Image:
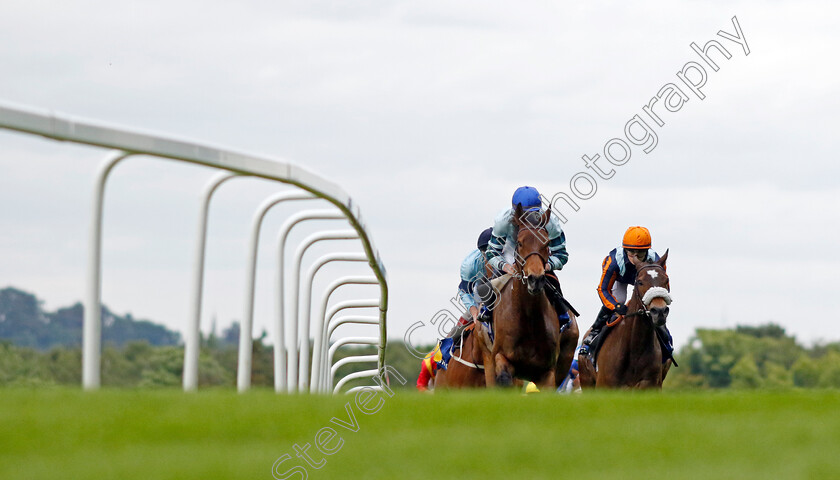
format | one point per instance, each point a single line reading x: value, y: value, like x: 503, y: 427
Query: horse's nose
x: 534, y: 283
x: 659, y: 315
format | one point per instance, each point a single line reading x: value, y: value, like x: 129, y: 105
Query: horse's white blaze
x: 653, y: 273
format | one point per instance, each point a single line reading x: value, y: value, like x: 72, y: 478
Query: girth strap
x: 469, y: 364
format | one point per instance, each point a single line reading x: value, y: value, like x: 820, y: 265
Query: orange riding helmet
x: 636, y: 238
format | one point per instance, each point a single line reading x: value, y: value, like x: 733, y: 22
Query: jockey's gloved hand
x: 621, y: 309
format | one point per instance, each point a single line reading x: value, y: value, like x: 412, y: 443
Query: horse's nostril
x: 659, y: 313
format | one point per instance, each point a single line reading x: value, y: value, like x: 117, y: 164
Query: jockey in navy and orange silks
x: 618, y: 271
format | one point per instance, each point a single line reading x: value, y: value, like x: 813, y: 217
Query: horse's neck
x: 530, y: 306
x: 643, y: 336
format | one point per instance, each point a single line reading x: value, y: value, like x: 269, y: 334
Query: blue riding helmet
x: 484, y: 239
x: 528, y: 197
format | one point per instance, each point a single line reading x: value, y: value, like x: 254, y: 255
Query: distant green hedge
x: 762, y: 357
x: 754, y: 357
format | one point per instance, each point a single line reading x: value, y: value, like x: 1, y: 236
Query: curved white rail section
x: 349, y: 341
x: 353, y: 376
x: 126, y: 143
x: 293, y: 351
x: 328, y: 321
x: 320, y: 342
x: 310, y: 278
x: 279, y: 328
x: 193, y: 337
x: 327, y: 377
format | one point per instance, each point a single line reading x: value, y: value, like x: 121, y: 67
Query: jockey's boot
x: 485, y: 292
x: 556, y: 300
x: 555, y: 297
x: 602, y: 319
x: 458, y: 330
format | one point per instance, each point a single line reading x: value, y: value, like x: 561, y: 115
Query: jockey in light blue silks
x: 501, y: 250
x: 473, y: 272
x: 473, y: 278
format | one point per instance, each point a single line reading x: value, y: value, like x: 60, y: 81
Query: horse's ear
x: 663, y: 259
x: 546, y: 216
x: 517, y: 214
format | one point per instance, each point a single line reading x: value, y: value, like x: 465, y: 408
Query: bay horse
x: 631, y: 356
x: 529, y: 343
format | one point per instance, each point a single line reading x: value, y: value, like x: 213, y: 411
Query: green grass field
x: 122, y: 434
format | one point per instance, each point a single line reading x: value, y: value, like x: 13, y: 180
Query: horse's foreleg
x: 489, y: 371
x: 665, y: 368
x: 547, y: 383
x: 646, y: 384
x: 586, y: 372
x: 484, y: 345
x: 651, y: 378
x: 440, y: 380
x: 504, y: 371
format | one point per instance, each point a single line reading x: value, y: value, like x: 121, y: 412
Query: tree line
x: 745, y: 357
x: 140, y: 364
x: 751, y: 357
x: 23, y: 322
x: 43, y: 348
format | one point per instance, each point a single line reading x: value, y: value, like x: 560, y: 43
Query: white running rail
x: 124, y: 143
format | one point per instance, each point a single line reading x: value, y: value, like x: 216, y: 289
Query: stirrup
x: 485, y: 315
x: 584, y: 350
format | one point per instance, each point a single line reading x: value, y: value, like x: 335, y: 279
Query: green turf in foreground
x: 64, y: 433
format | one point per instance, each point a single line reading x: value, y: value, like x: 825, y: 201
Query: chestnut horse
x: 631, y: 356
x: 466, y: 367
x: 529, y: 343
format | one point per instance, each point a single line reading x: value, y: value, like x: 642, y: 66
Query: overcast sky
x: 430, y: 114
